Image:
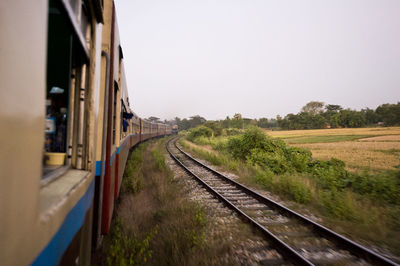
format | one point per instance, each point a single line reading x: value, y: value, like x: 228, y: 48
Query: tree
x: 216, y: 127
x: 184, y: 124
x: 313, y: 108
x: 226, y: 123
x: 371, y: 117
x: 333, y: 108
x: 389, y: 113
x: 196, y: 120
x: 351, y: 118
x: 263, y: 122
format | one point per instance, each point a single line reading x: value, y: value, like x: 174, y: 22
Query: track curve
x: 300, y: 240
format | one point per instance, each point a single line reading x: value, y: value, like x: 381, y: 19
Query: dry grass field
x: 373, y: 149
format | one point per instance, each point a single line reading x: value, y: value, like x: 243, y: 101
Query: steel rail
x: 288, y: 252
x: 353, y: 247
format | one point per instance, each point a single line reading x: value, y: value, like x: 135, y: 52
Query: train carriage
x: 66, y: 128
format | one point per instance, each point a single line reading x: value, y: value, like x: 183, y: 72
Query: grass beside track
x: 349, y: 213
x: 154, y: 223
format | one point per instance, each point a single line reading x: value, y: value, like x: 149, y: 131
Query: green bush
x: 240, y: 146
x: 263, y: 178
x: 330, y: 174
x: 231, y: 132
x: 132, y: 182
x: 159, y: 161
x: 200, y: 131
x: 384, y: 186
x: 219, y: 144
x: 274, y: 161
x: 201, y: 140
x: 272, y: 154
x: 294, y: 188
x: 125, y: 249
x: 337, y: 204
x: 215, y: 127
x: 299, y: 158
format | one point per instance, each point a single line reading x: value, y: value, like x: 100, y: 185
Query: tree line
x: 314, y: 115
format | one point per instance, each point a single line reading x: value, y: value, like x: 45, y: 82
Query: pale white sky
x: 259, y: 58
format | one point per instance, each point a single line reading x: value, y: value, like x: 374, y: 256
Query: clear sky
x: 259, y: 58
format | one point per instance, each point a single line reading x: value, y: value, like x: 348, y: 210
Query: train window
x: 115, y: 112
x: 124, y: 124
x: 59, y: 60
x: 65, y: 69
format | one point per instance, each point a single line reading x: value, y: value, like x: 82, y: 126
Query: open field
x: 373, y: 149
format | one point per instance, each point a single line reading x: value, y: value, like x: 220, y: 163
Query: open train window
x: 65, y: 77
x: 115, y: 112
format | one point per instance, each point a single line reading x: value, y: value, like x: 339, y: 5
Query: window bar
x: 79, y: 163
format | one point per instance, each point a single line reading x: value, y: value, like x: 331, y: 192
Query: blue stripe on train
x: 53, y: 252
x: 98, y: 168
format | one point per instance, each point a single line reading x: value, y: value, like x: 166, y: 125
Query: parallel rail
x: 360, y: 254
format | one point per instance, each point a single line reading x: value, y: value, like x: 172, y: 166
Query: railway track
x: 298, y: 239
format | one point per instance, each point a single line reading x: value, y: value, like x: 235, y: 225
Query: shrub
x: 231, y: 132
x: 219, y: 144
x: 200, y: 131
x: 201, y: 140
x: 274, y: 161
x: 294, y: 188
x: 263, y: 177
x: 273, y: 154
x: 299, y: 158
x: 337, y: 204
x: 383, y: 186
x: 330, y: 174
x: 240, y: 146
x: 132, y: 178
x: 125, y: 248
x: 215, y: 127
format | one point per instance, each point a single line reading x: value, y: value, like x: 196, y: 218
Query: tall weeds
x: 154, y: 223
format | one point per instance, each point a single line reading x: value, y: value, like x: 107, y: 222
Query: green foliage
x: 131, y: 181
x: 159, y: 160
x: 299, y: 158
x: 219, y: 144
x: 272, y: 154
x: 215, y: 127
x: 202, y: 141
x: 241, y: 146
x: 231, y: 132
x: 383, y: 186
x: 313, y: 107
x: 337, y: 204
x: 312, y: 117
x: 267, y: 123
x: 263, y: 177
x: 125, y: 248
x: 389, y: 113
x: 200, y: 131
x: 303, y: 120
x: 330, y: 174
x: 193, y: 121
x: 274, y: 161
x: 294, y: 188
x: 351, y: 118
